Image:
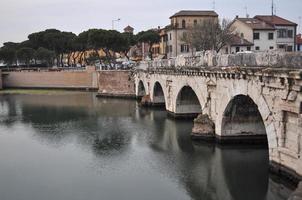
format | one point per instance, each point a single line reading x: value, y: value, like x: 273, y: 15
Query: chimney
x: 237, y: 16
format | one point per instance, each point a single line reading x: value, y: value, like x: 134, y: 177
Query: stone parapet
x: 274, y: 59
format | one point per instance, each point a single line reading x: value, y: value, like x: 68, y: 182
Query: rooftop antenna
x: 273, y: 7
x: 214, y: 5
x: 246, y: 13
x: 300, y: 23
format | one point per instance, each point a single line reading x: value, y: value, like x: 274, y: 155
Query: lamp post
x: 116, y: 20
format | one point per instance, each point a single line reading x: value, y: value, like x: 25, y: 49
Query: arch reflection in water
x: 211, y: 172
x: 143, y: 144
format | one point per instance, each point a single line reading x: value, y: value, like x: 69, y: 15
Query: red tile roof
x: 128, y: 29
x: 193, y: 13
x: 238, y: 41
x: 275, y: 20
x: 256, y: 24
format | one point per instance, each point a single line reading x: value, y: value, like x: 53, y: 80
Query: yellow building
x: 181, y: 23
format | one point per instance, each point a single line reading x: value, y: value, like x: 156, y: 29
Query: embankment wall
x: 116, y: 83
x: 51, y: 79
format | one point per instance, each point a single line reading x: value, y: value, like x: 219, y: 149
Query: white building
x: 286, y: 31
x: 266, y: 32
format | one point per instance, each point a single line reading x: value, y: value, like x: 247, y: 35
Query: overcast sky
x: 18, y: 18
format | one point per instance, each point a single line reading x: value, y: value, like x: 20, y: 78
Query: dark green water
x: 74, y: 146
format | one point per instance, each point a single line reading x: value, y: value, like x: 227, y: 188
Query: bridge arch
x: 241, y: 118
x: 187, y: 102
x: 141, y: 89
x: 256, y: 106
x: 158, y: 94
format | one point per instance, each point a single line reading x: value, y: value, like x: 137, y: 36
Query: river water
x: 73, y: 146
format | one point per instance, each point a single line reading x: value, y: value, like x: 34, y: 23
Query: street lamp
x: 116, y: 20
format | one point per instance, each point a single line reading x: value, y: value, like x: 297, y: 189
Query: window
x: 289, y: 48
x: 170, y: 36
x: 170, y: 49
x: 226, y: 50
x: 281, y: 46
x: 195, y: 22
x: 242, y: 35
x: 256, y: 36
x: 290, y: 33
x: 184, y: 48
x: 282, y: 33
x: 270, y: 36
x: 257, y: 48
x: 237, y: 49
x: 184, y: 35
x: 183, y: 23
x: 271, y: 47
x: 248, y: 48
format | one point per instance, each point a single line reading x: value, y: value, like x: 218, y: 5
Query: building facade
x: 237, y: 44
x: 285, y: 31
x: 266, y: 32
x: 181, y: 23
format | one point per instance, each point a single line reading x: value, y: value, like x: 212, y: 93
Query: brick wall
x: 50, y: 79
x: 116, y: 83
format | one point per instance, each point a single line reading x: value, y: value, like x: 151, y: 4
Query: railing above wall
x: 274, y: 59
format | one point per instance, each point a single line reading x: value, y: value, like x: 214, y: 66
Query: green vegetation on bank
x: 54, y: 47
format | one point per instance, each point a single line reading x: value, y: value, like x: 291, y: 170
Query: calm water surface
x: 73, y: 146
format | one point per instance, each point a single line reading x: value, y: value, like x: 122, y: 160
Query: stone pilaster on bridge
x: 0, y: 79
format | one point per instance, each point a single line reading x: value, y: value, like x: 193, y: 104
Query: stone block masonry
x: 84, y: 79
x: 116, y: 84
x: 0, y: 80
x: 236, y: 105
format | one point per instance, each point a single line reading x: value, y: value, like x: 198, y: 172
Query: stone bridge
x: 234, y: 104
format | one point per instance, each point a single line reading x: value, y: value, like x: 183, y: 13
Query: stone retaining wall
x: 116, y: 83
x: 86, y: 79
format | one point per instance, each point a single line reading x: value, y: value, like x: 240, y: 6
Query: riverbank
x: 38, y: 91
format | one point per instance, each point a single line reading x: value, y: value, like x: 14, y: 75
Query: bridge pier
x: 204, y: 128
x: 297, y: 195
x: 0, y: 79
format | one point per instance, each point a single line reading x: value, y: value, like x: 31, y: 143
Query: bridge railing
x: 272, y: 59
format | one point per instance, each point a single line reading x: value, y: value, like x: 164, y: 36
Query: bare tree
x: 209, y: 35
